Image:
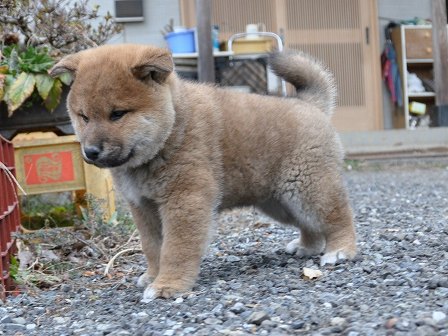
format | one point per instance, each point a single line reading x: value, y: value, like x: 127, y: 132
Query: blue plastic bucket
x: 181, y: 42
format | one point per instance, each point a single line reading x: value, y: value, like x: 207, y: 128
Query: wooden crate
x: 56, y: 165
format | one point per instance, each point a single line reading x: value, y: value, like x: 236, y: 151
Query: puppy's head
x: 120, y: 102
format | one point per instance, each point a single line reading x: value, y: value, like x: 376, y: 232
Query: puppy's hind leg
x: 327, y: 201
x: 311, y: 241
x: 324, y: 216
x: 339, y: 232
x: 309, y: 244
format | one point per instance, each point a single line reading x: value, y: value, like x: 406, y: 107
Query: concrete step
x: 396, y: 143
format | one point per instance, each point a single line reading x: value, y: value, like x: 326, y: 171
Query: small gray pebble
x: 268, y: 324
x: 19, y: 320
x: 30, y: 326
x: 438, y: 316
x: 13, y: 326
x: 212, y: 321
x: 59, y: 319
x: 233, y: 258
x: 298, y: 325
x: 189, y: 330
x: 66, y: 288
x: 6, y: 319
x: 257, y: 317
x: 238, y: 308
x: 338, y: 321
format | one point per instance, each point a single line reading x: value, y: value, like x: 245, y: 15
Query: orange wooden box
x: 56, y: 165
x: 49, y: 165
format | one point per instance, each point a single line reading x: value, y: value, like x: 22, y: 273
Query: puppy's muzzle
x: 92, y: 153
x: 104, y: 158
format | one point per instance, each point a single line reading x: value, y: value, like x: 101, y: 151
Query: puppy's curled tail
x: 313, y: 81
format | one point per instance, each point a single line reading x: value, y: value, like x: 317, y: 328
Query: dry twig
x: 111, y: 261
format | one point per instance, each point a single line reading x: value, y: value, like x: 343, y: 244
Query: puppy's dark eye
x: 117, y: 114
x: 84, y: 118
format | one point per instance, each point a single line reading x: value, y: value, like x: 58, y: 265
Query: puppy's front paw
x: 144, y: 280
x: 165, y: 291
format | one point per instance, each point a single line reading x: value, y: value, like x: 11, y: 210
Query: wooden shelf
x: 413, y: 46
x: 420, y: 60
x: 421, y: 94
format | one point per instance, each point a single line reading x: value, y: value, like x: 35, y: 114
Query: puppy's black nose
x: 92, y: 152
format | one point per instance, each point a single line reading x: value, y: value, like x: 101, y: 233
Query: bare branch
x: 64, y: 26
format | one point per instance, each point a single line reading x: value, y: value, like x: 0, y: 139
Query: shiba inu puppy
x: 180, y: 152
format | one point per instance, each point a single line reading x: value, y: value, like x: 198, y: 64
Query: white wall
x: 396, y: 10
x: 157, y: 13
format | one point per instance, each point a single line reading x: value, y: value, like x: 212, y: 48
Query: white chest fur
x: 135, y: 184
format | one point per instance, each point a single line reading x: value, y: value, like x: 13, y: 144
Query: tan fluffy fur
x: 185, y: 151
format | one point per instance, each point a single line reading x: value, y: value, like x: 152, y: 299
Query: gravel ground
x: 397, y: 285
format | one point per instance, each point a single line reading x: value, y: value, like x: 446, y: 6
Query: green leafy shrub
x: 24, y: 73
x: 34, y: 34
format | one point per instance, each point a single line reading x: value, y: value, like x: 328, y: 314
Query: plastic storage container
x: 181, y: 41
x: 9, y: 215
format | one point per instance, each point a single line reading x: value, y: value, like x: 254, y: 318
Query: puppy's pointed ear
x: 154, y: 65
x: 67, y: 64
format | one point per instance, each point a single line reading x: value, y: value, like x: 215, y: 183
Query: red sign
x: 48, y: 168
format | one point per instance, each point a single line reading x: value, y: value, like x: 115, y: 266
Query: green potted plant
x: 31, y: 99
x: 34, y: 34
